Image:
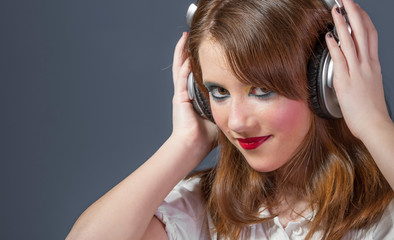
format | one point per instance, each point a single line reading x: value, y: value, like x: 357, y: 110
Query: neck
x: 289, y: 210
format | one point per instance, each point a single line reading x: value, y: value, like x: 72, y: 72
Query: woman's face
x: 265, y: 127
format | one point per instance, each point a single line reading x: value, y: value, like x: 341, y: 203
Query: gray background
x: 85, y: 98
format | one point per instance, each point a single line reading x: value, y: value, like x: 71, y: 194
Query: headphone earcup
x: 200, y: 103
x: 314, y: 79
x: 322, y: 98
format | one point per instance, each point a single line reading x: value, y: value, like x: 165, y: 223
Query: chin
x: 264, y: 166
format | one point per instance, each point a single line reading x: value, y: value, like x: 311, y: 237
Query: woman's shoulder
x: 187, y: 194
x: 191, y: 185
x: 384, y: 229
x: 183, y: 212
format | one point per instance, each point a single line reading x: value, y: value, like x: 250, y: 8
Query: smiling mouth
x: 252, y: 143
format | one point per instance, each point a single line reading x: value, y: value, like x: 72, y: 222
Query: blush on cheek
x: 291, y: 115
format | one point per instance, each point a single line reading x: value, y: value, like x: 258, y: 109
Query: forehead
x: 212, y: 60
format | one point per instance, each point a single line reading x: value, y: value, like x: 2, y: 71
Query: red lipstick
x: 252, y: 143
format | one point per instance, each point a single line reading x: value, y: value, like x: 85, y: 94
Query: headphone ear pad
x: 203, y: 103
x: 200, y: 103
x: 314, y: 79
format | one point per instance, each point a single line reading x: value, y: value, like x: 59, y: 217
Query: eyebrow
x: 209, y: 84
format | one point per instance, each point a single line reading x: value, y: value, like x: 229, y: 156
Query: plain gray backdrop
x: 85, y: 98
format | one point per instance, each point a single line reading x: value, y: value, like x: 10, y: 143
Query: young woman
x: 284, y: 172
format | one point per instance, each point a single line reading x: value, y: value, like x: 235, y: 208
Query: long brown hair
x: 268, y: 43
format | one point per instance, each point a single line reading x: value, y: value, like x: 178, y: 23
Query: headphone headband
x: 331, y: 3
x: 193, y: 7
x: 190, y: 13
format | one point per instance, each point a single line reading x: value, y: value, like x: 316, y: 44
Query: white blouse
x: 182, y: 212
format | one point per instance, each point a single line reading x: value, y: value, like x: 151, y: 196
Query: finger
x: 340, y: 63
x: 179, y: 55
x: 359, y: 31
x: 347, y: 44
x: 372, y: 35
x: 181, y: 81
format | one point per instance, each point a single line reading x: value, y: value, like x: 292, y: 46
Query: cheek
x: 219, y: 116
x: 291, y: 116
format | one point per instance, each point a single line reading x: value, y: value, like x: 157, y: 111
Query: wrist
x: 376, y: 129
x: 194, y: 147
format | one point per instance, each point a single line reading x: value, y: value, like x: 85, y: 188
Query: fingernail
x: 338, y: 10
x: 329, y: 35
x: 343, y: 11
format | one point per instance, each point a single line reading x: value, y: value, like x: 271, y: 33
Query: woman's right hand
x: 188, y: 127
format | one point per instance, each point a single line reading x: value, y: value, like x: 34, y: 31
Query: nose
x: 240, y: 118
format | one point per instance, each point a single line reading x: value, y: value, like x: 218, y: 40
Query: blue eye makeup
x: 260, y: 92
x: 217, y: 92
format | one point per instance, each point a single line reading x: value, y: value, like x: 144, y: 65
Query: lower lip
x: 252, y: 143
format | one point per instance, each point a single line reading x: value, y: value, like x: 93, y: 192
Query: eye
x: 260, y: 92
x: 218, y: 93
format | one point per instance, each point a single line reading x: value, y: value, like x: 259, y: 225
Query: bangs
x: 278, y: 70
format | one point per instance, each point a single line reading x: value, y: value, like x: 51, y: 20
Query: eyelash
x: 266, y: 92
x: 213, y: 91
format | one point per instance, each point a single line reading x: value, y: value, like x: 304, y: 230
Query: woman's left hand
x: 359, y: 87
x: 357, y: 76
